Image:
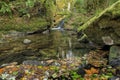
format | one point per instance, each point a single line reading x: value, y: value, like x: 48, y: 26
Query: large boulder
x: 114, y: 56
x: 104, y: 28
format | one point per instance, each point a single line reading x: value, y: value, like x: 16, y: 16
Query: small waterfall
x: 59, y: 26
x: 69, y: 54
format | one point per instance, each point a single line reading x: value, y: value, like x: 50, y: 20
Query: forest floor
x: 74, y: 68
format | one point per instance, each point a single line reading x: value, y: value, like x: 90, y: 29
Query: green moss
x: 114, y: 9
x: 22, y: 24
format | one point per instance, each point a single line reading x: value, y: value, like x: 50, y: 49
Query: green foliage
x: 112, y: 1
x: 107, y: 76
x: 5, y: 8
x: 51, y: 10
x: 30, y: 3
x: 75, y: 76
x: 21, y: 7
x: 79, y: 3
x: 80, y: 7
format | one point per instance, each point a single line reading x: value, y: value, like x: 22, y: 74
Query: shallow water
x: 54, y: 45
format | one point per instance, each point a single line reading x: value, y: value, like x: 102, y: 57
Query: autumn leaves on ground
x: 68, y: 69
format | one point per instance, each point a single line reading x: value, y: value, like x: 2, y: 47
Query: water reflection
x: 53, y: 45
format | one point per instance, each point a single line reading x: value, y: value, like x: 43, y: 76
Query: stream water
x: 57, y: 44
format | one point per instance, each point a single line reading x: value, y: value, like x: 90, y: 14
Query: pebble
x: 27, y: 41
x: 36, y: 79
x: 108, y: 40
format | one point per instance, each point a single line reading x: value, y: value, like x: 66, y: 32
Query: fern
x: 5, y: 8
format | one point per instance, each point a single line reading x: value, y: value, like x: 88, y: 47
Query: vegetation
x: 18, y: 17
x: 51, y: 12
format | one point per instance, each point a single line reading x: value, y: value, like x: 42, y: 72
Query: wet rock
x: 16, y: 34
x: 31, y: 62
x: 114, y: 78
x: 81, y: 70
x: 114, y: 56
x: 3, y: 65
x: 27, y: 41
x: 9, y: 64
x: 13, y: 35
x: 1, y: 79
x: 114, y: 52
x: 46, y: 32
x: 34, y: 62
x: 83, y: 67
x: 115, y: 62
x: 56, y: 64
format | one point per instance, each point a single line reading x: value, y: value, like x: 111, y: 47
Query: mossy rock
x: 104, y: 27
x: 21, y: 24
x: 114, y: 53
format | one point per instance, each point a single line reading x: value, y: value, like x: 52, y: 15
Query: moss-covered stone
x: 20, y: 24
x: 106, y: 24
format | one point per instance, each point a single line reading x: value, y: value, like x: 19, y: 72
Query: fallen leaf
x: 2, y: 70
x: 92, y: 71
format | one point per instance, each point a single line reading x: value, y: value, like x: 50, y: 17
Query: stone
x: 35, y: 79
x: 114, y: 56
x: 56, y: 64
x: 34, y: 62
x: 26, y: 41
x: 16, y: 33
x: 31, y: 62
x: 107, y: 40
x: 115, y: 62
x: 114, y: 78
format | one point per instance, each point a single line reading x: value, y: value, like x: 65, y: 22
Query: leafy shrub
x: 5, y: 8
